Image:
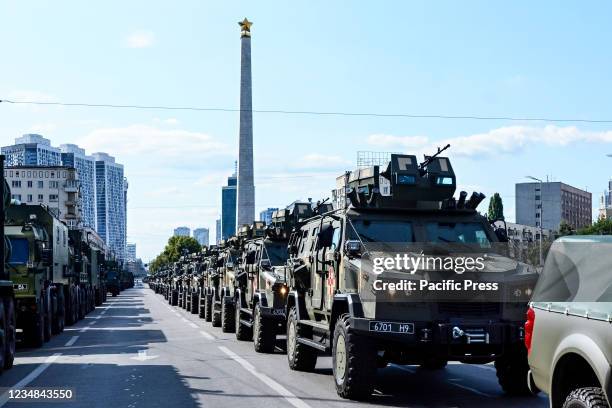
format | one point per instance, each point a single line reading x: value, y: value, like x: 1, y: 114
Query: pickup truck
x: 568, y: 332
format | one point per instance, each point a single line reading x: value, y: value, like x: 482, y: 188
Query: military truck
x: 8, y: 320
x: 88, y: 250
x: 337, y: 303
x: 45, y: 283
x: 112, y: 277
x: 261, y: 285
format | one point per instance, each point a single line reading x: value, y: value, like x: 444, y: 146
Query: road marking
x: 70, y: 342
x: 290, y: 397
x: 195, y: 326
x: 30, y: 377
x: 475, y: 391
x: 404, y: 368
x: 207, y: 335
x: 184, y: 320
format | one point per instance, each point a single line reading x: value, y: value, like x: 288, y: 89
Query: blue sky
x: 550, y: 59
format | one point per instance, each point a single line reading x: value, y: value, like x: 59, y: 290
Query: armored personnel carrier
x: 220, y: 289
x: 344, y: 302
x: 261, y: 285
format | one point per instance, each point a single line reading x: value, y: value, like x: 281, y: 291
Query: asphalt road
x: 136, y: 351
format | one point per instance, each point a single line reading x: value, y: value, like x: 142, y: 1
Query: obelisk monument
x: 245, y: 202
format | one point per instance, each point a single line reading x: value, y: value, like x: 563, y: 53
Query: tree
x: 496, y: 208
x: 600, y: 227
x: 175, y: 248
x: 565, y: 229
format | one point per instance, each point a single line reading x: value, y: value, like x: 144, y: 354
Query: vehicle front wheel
x: 10, y: 332
x: 353, y: 362
x: 300, y: 356
x: 227, y: 315
x: 264, y: 332
x: 208, y: 312
x: 512, y: 368
x: 589, y: 397
x: 195, y: 303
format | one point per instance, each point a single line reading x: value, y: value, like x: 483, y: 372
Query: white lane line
x: 30, y: 377
x: 70, y: 342
x: 290, y: 397
x: 195, y: 326
x: 404, y: 368
x: 184, y: 320
x: 207, y: 335
x: 474, y: 390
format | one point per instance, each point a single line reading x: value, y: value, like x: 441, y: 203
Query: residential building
x: 548, y: 204
x: 218, y: 231
x: 57, y: 187
x: 110, y: 203
x: 228, y: 208
x: 525, y: 233
x: 32, y: 150
x: 75, y: 157
x: 136, y: 267
x: 266, y: 215
x: 201, y: 235
x: 130, y: 252
x: 182, y: 232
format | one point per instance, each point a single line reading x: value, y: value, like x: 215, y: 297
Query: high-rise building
x: 201, y: 235
x: 246, y: 187
x: 130, y: 252
x: 56, y: 187
x: 228, y: 208
x: 75, y: 157
x: 110, y: 203
x: 548, y: 204
x: 32, y: 150
x: 266, y: 215
x: 218, y: 231
x: 182, y: 232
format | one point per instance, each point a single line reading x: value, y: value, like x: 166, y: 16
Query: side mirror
x: 229, y: 265
x: 501, y: 234
x: 265, y: 264
x: 352, y: 248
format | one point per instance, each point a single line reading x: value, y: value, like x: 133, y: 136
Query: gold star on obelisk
x: 245, y: 27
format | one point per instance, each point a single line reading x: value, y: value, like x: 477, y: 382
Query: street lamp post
x: 541, y: 216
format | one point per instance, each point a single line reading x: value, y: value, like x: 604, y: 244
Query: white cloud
x: 140, y: 39
x: 149, y: 141
x: 168, y: 121
x: 317, y: 160
x: 508, y: 139
x: 42, y: 128
x: 212, y: 179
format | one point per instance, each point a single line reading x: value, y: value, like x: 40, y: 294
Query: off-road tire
x: 2, y: 335
x: 512, y: 368
x: 10, y: 332
x: 173, y: 298
x: 37, y: 338
x: 202, y: 306
x: 264, y: 332
x: 59, y: 323
x: 299, y: 356
x: 216, y: 316
x: 589, y: 397
x: 208, y: 308
x: 243, y: 332
x: 353, y: 362
x: 195, y: 303
x: 48, y: 319
x: 227, y: 315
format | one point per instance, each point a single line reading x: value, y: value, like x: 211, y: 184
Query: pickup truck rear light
x: 529, y: 324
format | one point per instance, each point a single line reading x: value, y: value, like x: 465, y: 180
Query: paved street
x: 136, y: 351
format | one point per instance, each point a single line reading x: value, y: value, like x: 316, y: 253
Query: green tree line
x: 174, y: 249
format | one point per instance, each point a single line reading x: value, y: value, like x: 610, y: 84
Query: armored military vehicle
x: 261, y: 288
x: 220, y: 287
x: 8, y: 322
x: 208, y: 273
x: 342, y: 302
x: 113, y: 277
x: 45, y: 283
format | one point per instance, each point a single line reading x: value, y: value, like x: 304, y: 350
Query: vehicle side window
x: 336, y: 239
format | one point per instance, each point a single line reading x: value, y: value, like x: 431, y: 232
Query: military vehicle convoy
x: 313, y: 275
x: 8, y: 323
